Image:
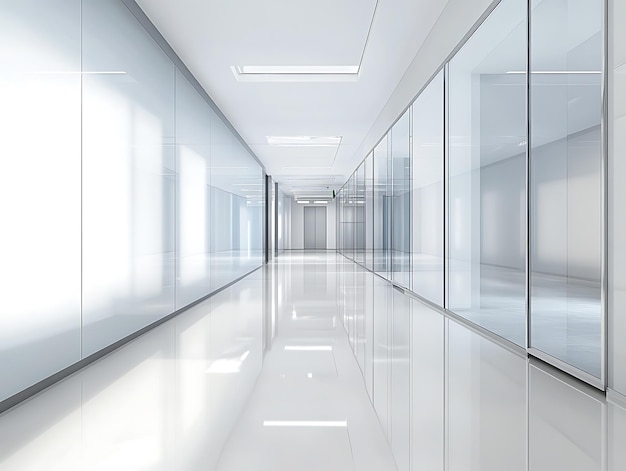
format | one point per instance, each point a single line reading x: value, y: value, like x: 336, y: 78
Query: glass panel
x: 401, y: 201
x: 284, y: 221
x: 353, y: 217
x: 486, y: 188
x: 347, y: 220
x: 339, y: 216
x: 352, y: 214
x: 236, y: 199
x: 427, y: 193
x: 345, y: 226
x: 280, y: 203
x: 359, y: 208
x: 617, y: 175
x: 128, y: 176
x: 271, y: 215
x: 193, y: 224
x: 566, y: 181
x: 40, y: 191
x: 369, y: 210
x: 382, y: 206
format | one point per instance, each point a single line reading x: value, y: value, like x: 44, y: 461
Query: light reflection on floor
x: 401, y: 387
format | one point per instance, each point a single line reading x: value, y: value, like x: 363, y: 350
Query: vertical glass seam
x: 604, y: 305
x: 528, y: 179
x: 445, y: 199
x: 82, y: 78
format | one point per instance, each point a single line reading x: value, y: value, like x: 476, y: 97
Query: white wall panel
x: 486, y: 388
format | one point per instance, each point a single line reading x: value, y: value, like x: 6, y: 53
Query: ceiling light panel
x: 316, y: 141
x: 297, y: 69
x: 295, y: 73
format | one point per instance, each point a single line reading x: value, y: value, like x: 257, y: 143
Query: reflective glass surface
x: 382, y: 209
x: 427, y: 193
x: 128, y: 176
x: 193, y: 198
x: 486, y: 175
x: 616, y: 172
x: 368, y: 199
x: 566, y: 164
x: 116, y: 165
x: 359, y: 214
x: 400, y: 165
x: 40, y: 192
x: 196, y: 391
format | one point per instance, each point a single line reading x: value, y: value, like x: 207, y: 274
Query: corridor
x: 313, y: 363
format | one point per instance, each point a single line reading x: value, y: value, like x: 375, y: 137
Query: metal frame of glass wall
x: 521, y: 185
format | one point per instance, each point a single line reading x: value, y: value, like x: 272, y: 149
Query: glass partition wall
x: 151, y: 201
x: 427, y: 192
x: 382, y: 206
x: 400, y: 223
x: 358, y: 202
x: 368, y: 210
x: 566, y: 184
x: 486, y: 197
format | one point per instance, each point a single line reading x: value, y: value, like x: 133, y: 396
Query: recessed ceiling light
x: 305, y: 423
x: 297, y: 69
x: 85, y: 72
x: 316, y: 141
x: 308, y: 348
x: 321, y: 73
x: 320, y: 202
x: 303, y: 202
x: 557, y: 72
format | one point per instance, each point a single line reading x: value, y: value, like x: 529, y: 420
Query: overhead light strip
x: 557, y: 72
x: 281, y: 74
x: 304, y: 141
x: 308, y: 348
x: 296, y: 69
x: 305, y: 423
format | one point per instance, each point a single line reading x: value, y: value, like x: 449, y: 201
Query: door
x: 314, y: 227
x: 320, y: 227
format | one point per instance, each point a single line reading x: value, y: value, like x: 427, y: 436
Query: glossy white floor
x: 198, y: 393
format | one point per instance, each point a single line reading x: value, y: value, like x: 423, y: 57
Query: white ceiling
x: 211, y: 36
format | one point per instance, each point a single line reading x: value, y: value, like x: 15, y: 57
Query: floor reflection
x: 314, y: 363
x: 450, y: 399
x: 166, y: 401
